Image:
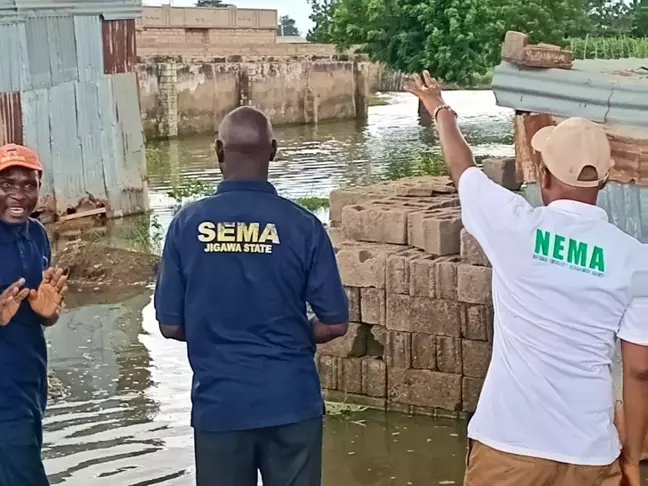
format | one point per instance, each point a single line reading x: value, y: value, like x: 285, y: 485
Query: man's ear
x: 273, y: 152
x: 545, y: 177
x: 220, y: 152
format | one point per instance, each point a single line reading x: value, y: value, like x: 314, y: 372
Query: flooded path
x: 125, y: 418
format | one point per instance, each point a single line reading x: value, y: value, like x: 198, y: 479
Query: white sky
x: 297, y: 9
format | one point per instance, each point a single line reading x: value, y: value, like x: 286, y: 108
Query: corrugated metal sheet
x: 89, y: 128
x: 614, y: 91
x: 119, y: 46
x: 14, y: 68
x: 66, y: 154
x: 89, y: 43
x: 10, y: 118
x: 626, y: 205
x: 51, y: 50
x: 130, y: 176
x: 36, y: 135
x: 109, y: 9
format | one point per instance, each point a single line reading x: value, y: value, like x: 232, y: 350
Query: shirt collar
x: 254, y: 185
x: 580, y: 208
x: 10, y: 232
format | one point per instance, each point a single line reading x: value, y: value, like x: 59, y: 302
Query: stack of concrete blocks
x: 419, y: 289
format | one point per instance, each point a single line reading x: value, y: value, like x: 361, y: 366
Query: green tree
x: 609, y: 17
x: 322, y: 17
x: 640, y: 18
x: 211, y: 3
x: 287, y: 26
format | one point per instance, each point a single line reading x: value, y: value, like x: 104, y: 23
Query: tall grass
x: 608, y: 47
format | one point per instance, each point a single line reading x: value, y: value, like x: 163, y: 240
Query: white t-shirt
x: 565, y: 285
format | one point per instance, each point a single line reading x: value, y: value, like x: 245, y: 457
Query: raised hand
x: 10, y: 301
x: 47, y: 299
x: 426, y: 88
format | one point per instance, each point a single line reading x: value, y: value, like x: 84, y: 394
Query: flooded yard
x: 124, y: 420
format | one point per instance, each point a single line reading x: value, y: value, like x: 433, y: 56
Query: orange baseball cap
x: 12, y: 155
x: 571, y: 146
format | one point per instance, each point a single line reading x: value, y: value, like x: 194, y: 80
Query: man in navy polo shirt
x: 237, y: 272
x: 31, y: 293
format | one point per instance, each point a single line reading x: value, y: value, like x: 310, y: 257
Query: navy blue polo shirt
x: 24, y: 252
x: 237, y: 271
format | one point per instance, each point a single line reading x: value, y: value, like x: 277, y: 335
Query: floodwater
x: 125, y: 419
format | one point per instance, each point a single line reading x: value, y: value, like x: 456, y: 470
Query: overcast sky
x: 297, y: 9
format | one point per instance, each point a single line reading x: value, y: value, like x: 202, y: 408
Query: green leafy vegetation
x: 459, y: 40
x: 337, y: 409
x: 190, y: 188
x: 376, y: 100
x: 146, y: 234
x: 312, y: 203
x: 424, y: 164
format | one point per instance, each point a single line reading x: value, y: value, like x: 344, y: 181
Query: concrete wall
x: 182, y: 99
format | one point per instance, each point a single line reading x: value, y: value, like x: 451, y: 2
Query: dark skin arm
x: 325, y: 333
x: 172, y: 331
x: 635, y: 409
x: 456, y: 152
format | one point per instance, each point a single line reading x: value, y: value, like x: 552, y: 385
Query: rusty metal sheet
x: 87, y: 31
x: 36, y: 135
x: 66, y: 154
x: 10, y: 118
x: 119, y: 50
x: 14, y: 69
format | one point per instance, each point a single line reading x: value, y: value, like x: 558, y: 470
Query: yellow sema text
x: 238, y: 237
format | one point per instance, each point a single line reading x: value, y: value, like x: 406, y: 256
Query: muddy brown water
x: 125, y: 418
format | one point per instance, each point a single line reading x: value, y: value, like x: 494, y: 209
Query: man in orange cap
x: 566, y: 284
x: 30, y: 296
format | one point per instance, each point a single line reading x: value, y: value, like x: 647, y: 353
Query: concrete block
x: 350, y: 375
x: 398, y: 270
x: 474, y: 284
x: 353, y: 295
x: 374, y: 377
x: 377, y: 341
x: 423, y: 315
x: 424, y: 352
x: 339, y: 198
x: 471, y: 251
x: 327, y: 366
x: 445, y: 276
x: 422, y: 281
x: 449, y: 359
x: 426, y: 186
x: 513, y: 46
x: 503, y: 172
x: 363, y: 264
x: 372, y: 306
x: 352, y: 344
x: 425, y: 388
x: 436, y: 231
x: 515, y: 49
x: 399, y: 349
x: 477, y: 322
x: 471, y: 389
x: 476, y: 358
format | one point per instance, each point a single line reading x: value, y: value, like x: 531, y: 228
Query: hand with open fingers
x: 630, y: 471
x: 426, y: 88
x: 10, y: 301
x: 47, y: 300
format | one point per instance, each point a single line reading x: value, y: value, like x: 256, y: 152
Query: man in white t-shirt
x: 566, y: 284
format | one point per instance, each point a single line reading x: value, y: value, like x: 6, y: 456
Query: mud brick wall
x: 419, y: 290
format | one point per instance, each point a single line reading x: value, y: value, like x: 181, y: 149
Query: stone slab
x: 423, y: 315
x: 425, y: 388
x: 352, y: 344
x: 474, y: 284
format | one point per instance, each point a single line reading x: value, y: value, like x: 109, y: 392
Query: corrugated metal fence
x: 68, y: 90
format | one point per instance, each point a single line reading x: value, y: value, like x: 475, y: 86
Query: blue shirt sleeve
x: 170, y: 287
x: 324, y: 290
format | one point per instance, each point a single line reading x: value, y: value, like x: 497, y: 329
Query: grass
x: 190, y: 188
x: 376, y: 100
x: 312, y: 203
x: 423, y: 164
x: 146, y: 235
x: 337, y: 409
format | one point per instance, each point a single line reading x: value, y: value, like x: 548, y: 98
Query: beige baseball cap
x: 571, y: 146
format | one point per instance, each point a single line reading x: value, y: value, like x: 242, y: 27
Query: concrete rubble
x: 419, y: 290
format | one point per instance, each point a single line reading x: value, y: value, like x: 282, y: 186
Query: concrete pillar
x: 168, y: 100
x: 361, y: 89
x: 311, y: 106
